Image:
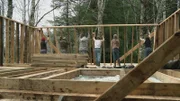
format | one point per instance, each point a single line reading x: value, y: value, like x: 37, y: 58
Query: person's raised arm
x: 88, y: 36
x: 93, y: 36
x: 80, y: 36
x: 103, y: 38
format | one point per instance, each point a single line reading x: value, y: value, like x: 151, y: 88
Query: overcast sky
x: 44, y: 7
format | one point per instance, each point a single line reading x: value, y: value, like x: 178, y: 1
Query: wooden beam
x: 174, y: 73
x: 144, y: 70
x: 1, y: 41
x: 17, y: 43
x: 166, y: 78
x: 42, y: 74
x: 13, y: 72
x: 12, y: 43
x: 104, y: 25
x: 7, y: 42
x: 102, y: 72
x: 22, y: 44
x: 66, y: 75
x: 84, y: 87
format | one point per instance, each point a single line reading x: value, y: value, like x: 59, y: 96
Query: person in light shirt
x: 97, y: 48
x: 83, y: 44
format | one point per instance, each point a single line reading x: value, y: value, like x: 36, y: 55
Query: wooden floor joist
x: 144, y: 70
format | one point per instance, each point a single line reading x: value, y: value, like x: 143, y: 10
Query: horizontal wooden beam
x: 104, y: 25
x: 166, y: 78
x: 43, y: 74
x: 85, y: 87
x: 66, y: 75
x: 174, y: 73
x: 144, y: 70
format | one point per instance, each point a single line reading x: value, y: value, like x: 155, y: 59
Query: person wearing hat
x: 97, y: 48
x: 115, y: 49
x: 83, y: 44
x: 43, y: 46
x: 147, y: 44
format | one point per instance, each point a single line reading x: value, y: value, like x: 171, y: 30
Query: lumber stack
x: 59, y: 60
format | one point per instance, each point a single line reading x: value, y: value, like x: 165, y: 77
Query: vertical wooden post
x: 68, y: 39
x: 124, y: 44
x: 55, y: 38
x: 22, y: 44
x: 110, y: 35
x: 26, y: 45
x: 139, y: 44
x: 1, y: 41
x: 48, y: 31
x: 132, y: 44
x: 90, y: 45
x: 177, y: 25
x: 104, y: 54
x: 32, y: 42
x: 7, y: 42
x: 37, y: 45
x: 94, y: 60
x: 12, y: 42
x: 17, y: 43
x: 76, y: 40
x: 29, y: 44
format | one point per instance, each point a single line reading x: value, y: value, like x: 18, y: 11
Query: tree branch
x: 45, y: 15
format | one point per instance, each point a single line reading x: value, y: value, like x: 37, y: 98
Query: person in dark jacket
x: 43, y: 46
x: 147, y: 44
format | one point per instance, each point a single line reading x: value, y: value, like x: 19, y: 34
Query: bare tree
x: 101, y: 6
x: 10, y: 9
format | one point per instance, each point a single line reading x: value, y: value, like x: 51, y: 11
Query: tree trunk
x: 10, y: 9
x: 24, y: 12
x: 101, y: 7
x: 32, y: 14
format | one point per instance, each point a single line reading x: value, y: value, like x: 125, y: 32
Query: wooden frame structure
x: 51, y: 83
x: 48, y: 84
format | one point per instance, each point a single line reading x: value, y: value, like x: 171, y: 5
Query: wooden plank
x: 36, y: 75
x: 29, y: 45
x: 33, y: 42
x: 102, y: 72
x: 103, y: 49
x: 66, y: 75
x: 7, y: 42
x: 12, y: 43
x: 144, y: 70
x: 174, y: 73
x: 19, y: 71
x: 110, y: 35
x: 50, y: 43
x: 132, y: 44
x: 22, y: 44
x: 134, y: 48
x: 1, y: 41
x: 17, y: 43
x: 103, y: 25
x: 166, y: 78
x: 125, y: 44
x: 85, y: 87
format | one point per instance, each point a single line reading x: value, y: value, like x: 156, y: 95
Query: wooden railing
x: 18, y: 39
